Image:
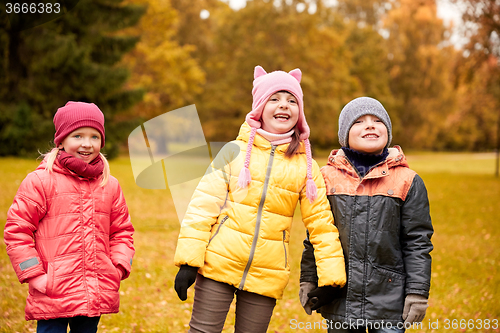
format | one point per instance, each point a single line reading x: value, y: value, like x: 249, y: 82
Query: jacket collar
x: 396, y: 157
x: 263, y: 143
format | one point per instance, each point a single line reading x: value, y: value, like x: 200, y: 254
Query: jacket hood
x: 396, y: 157
x: 262, y: 143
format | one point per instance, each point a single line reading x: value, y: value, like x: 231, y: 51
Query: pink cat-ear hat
x: 264, y: 86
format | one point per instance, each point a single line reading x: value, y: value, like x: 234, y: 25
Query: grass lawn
x: 464, y: 197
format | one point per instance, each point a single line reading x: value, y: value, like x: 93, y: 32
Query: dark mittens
x: 185, y: 279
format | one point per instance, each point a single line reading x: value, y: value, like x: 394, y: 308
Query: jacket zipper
x: 220, y: 225
x: 357, y: 172
x: 284, y: 247
x: 259, y: 218
x: 365, y: 260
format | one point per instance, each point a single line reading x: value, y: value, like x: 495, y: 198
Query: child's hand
x: 324, y: 295
x: 414, y: 310
x: 306, y: 288
x: 39, y: 283
x: 185, y: 279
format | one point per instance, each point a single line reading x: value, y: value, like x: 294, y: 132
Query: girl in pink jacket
x: 68, y: 231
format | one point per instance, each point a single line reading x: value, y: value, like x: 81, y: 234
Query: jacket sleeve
x: 323, y: 234
x: 28, y: 208
x: 416, y: 233
x: 308, y: 271
x: 121, y: 243
x: 205, y: 206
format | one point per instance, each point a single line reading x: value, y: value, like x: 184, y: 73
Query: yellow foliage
x: 167, y: 71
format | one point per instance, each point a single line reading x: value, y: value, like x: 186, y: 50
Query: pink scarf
x: 81, y: 168
x: 276, y: 139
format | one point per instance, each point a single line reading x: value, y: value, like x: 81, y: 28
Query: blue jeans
x: 379, y: 329
x: 80, y: 324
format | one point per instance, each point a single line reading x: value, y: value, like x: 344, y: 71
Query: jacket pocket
x: 218, y: 229
x: 390, y: 272
x: 50, y: 279
x: 385, y: 291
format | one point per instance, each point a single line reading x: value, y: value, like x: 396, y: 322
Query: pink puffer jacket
x: 77, y: 233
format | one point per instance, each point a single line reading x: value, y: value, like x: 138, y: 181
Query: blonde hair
x: 52, y: 155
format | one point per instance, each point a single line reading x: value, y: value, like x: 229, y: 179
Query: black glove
x: 185, y: 279
x: 323, y: 295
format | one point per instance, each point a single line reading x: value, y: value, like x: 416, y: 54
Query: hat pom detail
x: 311, y: 190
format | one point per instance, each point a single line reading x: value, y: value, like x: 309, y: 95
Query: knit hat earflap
x: 359, y: 107
x: 75, y: 115
x: 264, y: 86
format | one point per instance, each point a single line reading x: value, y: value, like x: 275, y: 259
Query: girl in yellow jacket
x: 234, y: 236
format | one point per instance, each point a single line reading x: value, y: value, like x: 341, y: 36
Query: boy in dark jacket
x: 381, y: 210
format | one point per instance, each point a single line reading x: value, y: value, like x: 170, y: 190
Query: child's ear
x: 296, y: 73
x: 258, y: 71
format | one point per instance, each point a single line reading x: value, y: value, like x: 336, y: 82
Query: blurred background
x: 434, y: 66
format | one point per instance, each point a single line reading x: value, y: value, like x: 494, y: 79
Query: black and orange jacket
x: 385, y: 230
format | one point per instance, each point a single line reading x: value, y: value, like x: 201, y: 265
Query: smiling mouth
x: 84, y: 153
x: 282, y: 116
x: 370, y: 136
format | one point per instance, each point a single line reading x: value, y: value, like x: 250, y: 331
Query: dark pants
x: 80, y: 324
x: 212, y: 300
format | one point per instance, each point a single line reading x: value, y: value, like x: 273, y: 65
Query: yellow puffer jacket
x: 240, y: 236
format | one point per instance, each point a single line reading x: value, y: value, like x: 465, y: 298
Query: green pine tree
x: 73, y: 57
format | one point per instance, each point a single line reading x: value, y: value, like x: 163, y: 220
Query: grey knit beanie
x: 359, y: 107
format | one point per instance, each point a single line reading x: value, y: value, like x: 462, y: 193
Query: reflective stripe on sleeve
x: 28, y: 263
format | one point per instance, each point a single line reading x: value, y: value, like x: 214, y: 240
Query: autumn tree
x: 365, y: 12
x: 286, y: 36
x: 482, y: 58
x: 473, y: 123
x: 196, y: 24
x: 421, y: 74
x: 482, y: 27
x: 167, y: 71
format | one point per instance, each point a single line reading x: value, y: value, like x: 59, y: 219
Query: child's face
x: 83, y: 143
x: 281, y: 113
x: 368, y: 135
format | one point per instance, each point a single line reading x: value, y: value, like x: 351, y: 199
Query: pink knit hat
x: 264, y: 86
x: 75, y: 115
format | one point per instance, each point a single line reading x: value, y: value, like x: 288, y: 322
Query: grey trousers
x: 212, y: 300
